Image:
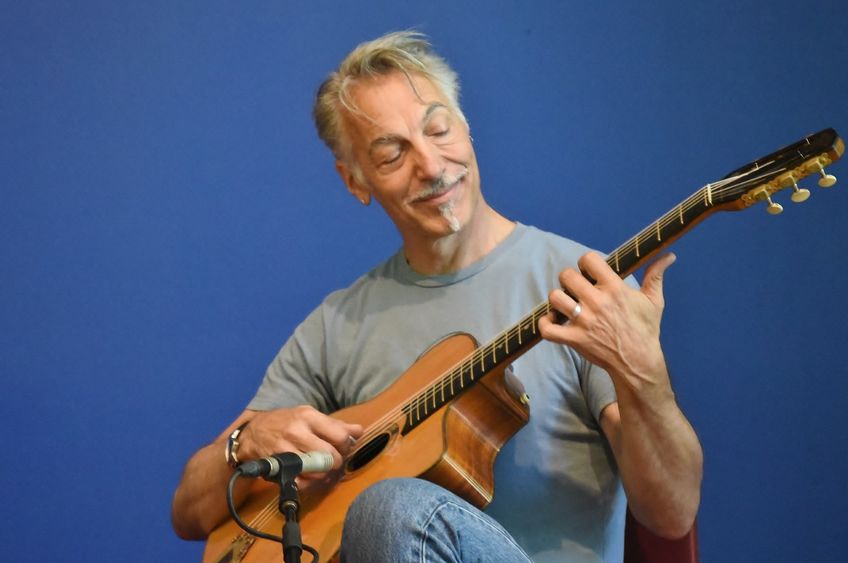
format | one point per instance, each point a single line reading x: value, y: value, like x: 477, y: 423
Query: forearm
x: 200, y: 502
x: 659, y: 457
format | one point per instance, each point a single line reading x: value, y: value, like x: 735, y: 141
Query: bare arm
x: 200, y: 504
x: 657, y: 451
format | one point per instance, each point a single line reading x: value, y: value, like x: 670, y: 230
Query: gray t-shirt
x: 556, y: 485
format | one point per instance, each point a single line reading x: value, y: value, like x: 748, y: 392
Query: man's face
x: 415, y: 155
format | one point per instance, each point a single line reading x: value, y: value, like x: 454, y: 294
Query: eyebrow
x: 394, y: 139
x: 431, y: 108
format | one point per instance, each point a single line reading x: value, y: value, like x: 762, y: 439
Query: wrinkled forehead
x: 383, y: 101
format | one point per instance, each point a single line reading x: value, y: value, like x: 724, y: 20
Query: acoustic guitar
x: 447, y: 416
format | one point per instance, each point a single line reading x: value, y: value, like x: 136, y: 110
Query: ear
x: 359, y: 190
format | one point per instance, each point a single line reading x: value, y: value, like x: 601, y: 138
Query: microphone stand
x: 289, y: 505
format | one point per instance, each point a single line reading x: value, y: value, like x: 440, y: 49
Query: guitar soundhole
x: 366, y: 453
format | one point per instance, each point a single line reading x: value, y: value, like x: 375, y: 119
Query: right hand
x: 297, y: 429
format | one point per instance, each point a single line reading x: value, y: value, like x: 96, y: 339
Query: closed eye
x: 392, y: 159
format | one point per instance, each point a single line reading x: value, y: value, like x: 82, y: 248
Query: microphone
x: 293, y: 463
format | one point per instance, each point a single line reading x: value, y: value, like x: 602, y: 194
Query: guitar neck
x: 752, y: 183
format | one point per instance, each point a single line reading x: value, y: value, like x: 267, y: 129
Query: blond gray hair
x: 408, y: 52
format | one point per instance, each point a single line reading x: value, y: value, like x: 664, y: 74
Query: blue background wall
x: 168, y: 216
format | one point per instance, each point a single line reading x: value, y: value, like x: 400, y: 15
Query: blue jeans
x: 406, y: 520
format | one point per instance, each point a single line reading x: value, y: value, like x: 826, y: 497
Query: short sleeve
x: 297, y: 375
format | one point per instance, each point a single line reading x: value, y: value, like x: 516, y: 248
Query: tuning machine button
x: 773, y: 208
x: 798, y: 194
x: 826, y: 180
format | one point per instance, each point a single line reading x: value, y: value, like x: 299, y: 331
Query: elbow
x: 186, y: 533
x: 673, y: 522
x: 674, y: 528
x: 185, y: 525
x: 669, y: 515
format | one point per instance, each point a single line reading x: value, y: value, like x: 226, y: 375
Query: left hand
x: 617, y: 327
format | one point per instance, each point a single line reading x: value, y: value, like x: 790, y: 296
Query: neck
x: 454, y: 251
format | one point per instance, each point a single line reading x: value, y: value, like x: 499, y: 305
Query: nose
x: 429, y: 163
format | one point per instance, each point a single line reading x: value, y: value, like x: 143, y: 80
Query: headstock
x: 780, y: 170
x: 740, y: 189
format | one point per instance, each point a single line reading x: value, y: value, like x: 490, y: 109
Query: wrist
x: 644, y: 381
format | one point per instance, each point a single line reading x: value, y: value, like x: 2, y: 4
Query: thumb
x: 652, y: 284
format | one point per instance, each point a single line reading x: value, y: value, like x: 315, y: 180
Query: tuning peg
x: 798, y: 194
x: 826, y: 179
x: 773, y: 208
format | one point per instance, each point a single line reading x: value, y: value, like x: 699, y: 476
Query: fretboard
x: 513, y: 342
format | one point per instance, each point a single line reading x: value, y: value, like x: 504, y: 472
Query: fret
x: 659, y: 233
x: 617, y: 266
x: 637, y: 245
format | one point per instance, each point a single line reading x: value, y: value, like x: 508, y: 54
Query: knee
x: 390, y: 502
x: 389, y: 517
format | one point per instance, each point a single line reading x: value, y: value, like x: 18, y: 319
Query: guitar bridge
x: 238, y: 549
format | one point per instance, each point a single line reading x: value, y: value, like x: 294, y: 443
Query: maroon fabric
x: 642, y: 546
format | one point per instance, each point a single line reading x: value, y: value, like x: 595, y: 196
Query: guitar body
x: 455, y: 446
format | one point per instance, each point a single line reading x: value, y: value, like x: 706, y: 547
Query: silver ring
x: 576, y: 312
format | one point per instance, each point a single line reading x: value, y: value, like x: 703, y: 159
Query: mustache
x: 439, y: 185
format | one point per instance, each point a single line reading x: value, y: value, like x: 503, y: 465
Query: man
x: 603, y: 413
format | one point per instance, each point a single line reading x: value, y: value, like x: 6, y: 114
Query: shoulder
x: 547, y: 247
x: 552, y: 241
x: 356, y: 294
x: 557, y: 251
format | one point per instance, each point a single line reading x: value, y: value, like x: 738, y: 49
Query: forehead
x: 390, y: 103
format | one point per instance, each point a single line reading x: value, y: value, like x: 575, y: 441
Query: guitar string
x: 455, y: 374
x: 673, y: 215
x: 378, y: 427
x: 430, y: 393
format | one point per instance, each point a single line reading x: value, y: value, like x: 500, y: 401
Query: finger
x: 551, y: 330
x: 565, y: 304
x: 354, y: 433
x: 597, y: 268
x: 652, y: 283
x: 575, y: 284
x: 354, y: 430
x: 342, y: 435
